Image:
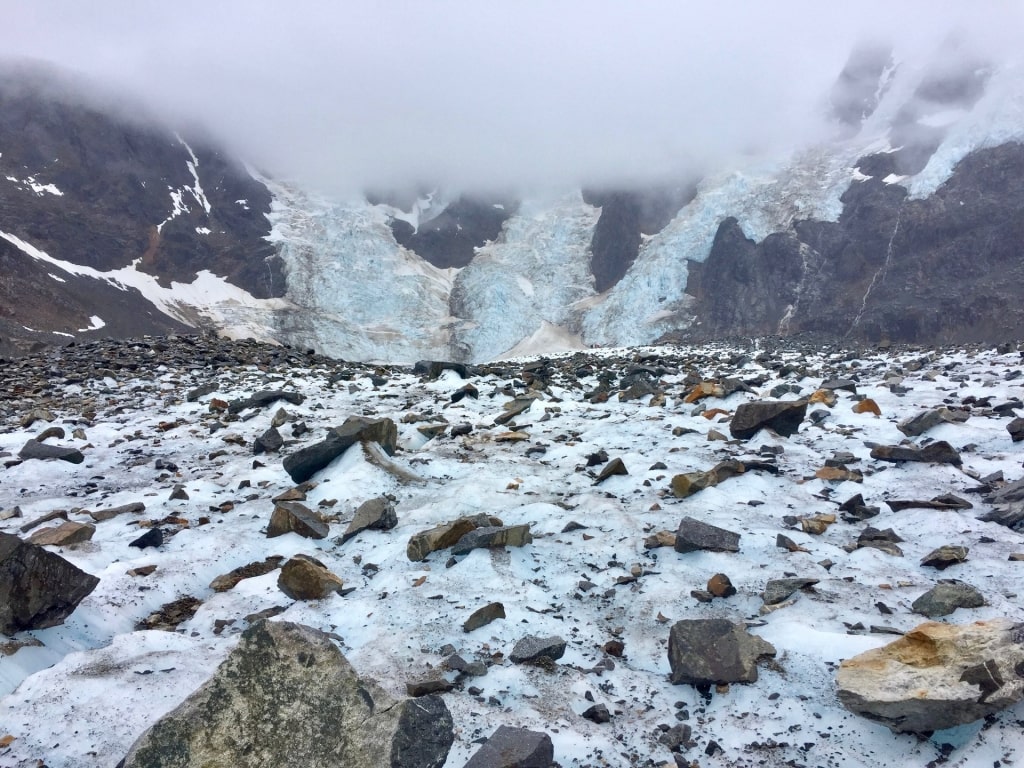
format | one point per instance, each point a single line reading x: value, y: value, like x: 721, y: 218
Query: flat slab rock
x: 287, y: 696
x: 936, y: 676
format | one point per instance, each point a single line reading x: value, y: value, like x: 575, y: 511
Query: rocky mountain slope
x: 538, y: 553
x: 902, y: 224
x: 102, y: 211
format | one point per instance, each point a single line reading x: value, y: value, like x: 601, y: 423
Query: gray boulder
x: 710, y: 651
x: 295, y: 517
x: 936, y: 676
x: 781, y: 416
x: 305, y: 463
x: 33, y: 449
x: 939, y: 452
x: 514, y: 748
x: 376, y: 514
x: 287, y: 696
x: 38, y: 589
x: 531, y: 648
x: 693, y: 535
x: 945, y: 597
x: 490, y: 537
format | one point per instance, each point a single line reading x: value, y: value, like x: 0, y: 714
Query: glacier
x: 355, y: 293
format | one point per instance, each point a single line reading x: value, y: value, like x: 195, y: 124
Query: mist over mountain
x: 454, y: 183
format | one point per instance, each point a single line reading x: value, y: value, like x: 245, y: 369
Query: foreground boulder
x: 781, y: 416
x: 936, y: 676
x: 287, y: 696
x: 305, y: 463
x: 38, y: 589
x: 711, y: 651
x: 514, y: 748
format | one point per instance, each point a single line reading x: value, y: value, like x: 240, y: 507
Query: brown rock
x: 294, y: 517
x: 305, y: 578
x: 64, y: 535
x: 719, y: 585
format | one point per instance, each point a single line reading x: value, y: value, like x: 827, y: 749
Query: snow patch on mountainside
x: 530, y: 277
x: 208, y: 299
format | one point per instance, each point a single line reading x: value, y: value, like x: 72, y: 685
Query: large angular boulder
x: 64, y: 535
x: 514, y: 748
x: 38, y: 589
x: 693, y: 535
x: 532, y: 648
x: 305, y: 463
x: 287, y: 696
x: 34, y: 449
x: 294, y: 517
x: 945, y: 597
x: 936, y: 676
x: 711, y: 651
x: 781, y: 416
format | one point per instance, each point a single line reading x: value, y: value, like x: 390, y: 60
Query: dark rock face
x: 945, y: 597
x: 115, y: 175
x: 625, y: 216
x: 38, y: 589
x: 33, y: 449
x: 939, y: 452
x: 449, y: 239
x: 936, y: 270
x: 287, y: 696
x: 694, y: 535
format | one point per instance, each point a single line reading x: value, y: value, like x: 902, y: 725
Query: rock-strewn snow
x: 95, y: 683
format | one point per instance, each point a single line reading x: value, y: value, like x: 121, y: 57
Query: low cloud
x: 345, y: 96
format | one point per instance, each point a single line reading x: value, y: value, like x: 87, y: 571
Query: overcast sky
x: 487, y: 93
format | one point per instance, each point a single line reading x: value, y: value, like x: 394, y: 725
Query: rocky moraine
x: 761, y: 553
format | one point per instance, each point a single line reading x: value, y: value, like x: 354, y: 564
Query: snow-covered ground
x: 79, y: 694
